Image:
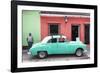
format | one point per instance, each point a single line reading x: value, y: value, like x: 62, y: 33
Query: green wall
x: 31, y: 24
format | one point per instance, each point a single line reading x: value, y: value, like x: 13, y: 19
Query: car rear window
x: 53, y: 40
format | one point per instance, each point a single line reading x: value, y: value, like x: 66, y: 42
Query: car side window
x: 62, y: 40
x: 53, y: 40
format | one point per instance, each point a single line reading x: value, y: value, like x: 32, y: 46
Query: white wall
x: 5, y: 36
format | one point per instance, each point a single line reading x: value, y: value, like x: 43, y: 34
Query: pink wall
x: 65, y: 28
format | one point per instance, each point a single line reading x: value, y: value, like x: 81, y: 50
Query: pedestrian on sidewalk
x: 30, y: 40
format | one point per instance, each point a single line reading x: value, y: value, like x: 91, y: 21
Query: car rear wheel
x: 42, y: 54
x: 79, y: 52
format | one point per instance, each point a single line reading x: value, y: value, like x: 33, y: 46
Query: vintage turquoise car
x: 57, y: 44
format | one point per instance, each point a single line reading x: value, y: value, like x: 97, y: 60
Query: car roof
x: 53, y: 36
x: 57, y: 36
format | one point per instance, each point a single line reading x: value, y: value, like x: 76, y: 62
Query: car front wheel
x: 79, y: 52
x: 42, y: 54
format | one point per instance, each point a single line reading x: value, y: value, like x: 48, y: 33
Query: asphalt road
x: 26, y: 57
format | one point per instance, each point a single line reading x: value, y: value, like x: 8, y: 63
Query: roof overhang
x: 63, y: 14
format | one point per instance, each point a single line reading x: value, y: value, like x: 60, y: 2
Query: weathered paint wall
x: 31, y: 24
x: 65, y: 28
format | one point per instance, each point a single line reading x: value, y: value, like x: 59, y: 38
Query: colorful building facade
x: 44, y: 23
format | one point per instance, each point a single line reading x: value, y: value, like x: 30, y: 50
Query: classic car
x: 57, y: 44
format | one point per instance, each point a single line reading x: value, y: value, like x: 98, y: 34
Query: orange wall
x: 65, y: 28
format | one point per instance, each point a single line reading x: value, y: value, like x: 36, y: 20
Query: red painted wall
x: 65, y: 28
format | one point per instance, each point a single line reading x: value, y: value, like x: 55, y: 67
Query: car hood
x: 73, y: 42
x: 77, y: 42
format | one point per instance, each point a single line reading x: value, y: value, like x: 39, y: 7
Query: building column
x: 82, y: 32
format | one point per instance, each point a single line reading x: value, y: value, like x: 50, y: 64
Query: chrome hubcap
x: 42, y: 54
x: 79, y: 53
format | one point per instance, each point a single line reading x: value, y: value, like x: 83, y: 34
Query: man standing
x: 30, y: 40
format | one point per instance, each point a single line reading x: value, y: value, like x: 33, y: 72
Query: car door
x: 62, y: 46
x: 52, y: 46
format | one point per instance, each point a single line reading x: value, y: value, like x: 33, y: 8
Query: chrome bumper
x: 85, y: 51
x: 28, y: 53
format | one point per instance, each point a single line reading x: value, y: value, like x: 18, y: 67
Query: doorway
x: 87, y: 33
x: 75, y: 32
x: 53, y: 29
